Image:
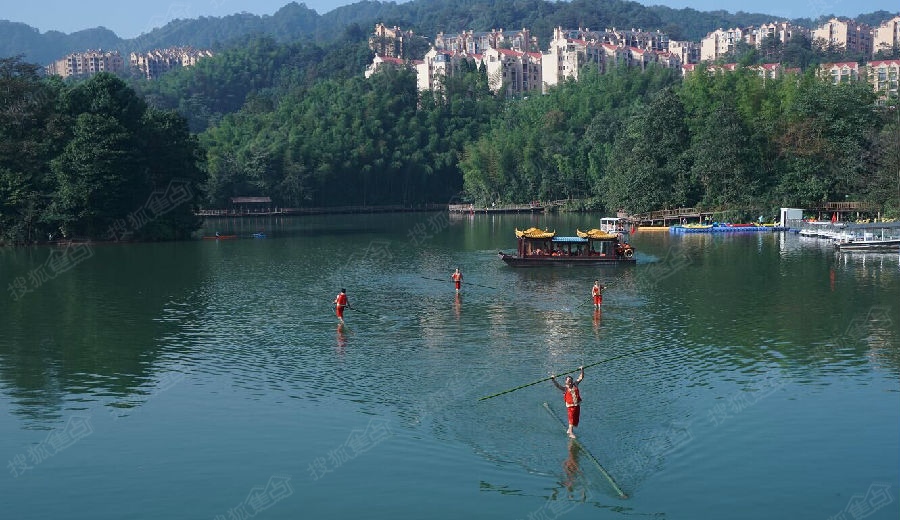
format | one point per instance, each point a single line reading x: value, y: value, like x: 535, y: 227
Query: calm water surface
x: 755, y: 376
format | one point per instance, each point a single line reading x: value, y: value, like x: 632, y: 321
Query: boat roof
x: 570, y: 240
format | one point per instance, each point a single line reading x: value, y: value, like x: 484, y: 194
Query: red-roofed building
x: 770, y: 70
x: 667, y: 59
x: 640, y: 57
x: 380, y: 62
x: 840, y: 72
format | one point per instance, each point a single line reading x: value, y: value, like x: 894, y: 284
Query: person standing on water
x: 340, y: 301
x: 572, y: 398
x: 597, y: 293
x: 457, y: 278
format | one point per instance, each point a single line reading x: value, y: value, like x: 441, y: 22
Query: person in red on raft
x: 340, y: 301
x: 597, y: 293
x: 573, y: 399
x: 457, y: 278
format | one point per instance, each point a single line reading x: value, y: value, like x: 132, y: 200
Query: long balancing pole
x: 607, y: 360
x: 605, y: 473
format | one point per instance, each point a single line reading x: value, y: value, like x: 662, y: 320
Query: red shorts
x: 339, y: 310
x: 457, y: 284
x: 598, y: 300
x: 574, y: 414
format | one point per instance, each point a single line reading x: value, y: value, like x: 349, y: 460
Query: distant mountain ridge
x: 426, y: 17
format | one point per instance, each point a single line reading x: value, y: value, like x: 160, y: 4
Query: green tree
x: 649, y: 167
x: 27, y: 143
x: 721, y: 165
x: 99, y: 177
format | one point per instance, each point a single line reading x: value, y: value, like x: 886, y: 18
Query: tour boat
x: 538, y: 248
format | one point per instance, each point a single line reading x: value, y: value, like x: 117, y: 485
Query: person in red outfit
x: 340, y: 301
x: 597, y: 293
x: 573, y: 399
x: 457, y: 278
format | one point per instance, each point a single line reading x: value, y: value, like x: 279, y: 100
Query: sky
x: 130, y: 18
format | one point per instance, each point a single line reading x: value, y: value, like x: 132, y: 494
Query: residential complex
x: 722, y: 42
x: 87, y: 63
x: 514, y: 65
x: 148, y: 64
x: 152, y: 64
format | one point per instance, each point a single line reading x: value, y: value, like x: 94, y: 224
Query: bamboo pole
x: 607, y: 360
x: 605, y: 473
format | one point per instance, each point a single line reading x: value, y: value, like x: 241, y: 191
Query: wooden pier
x: 668, y: 217
x: 328, y: 210
x: 532, y: 207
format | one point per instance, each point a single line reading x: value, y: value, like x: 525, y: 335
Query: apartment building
x: 471, y: 42
x: 638, y: 38
x: 154, y: 63
x: 80, y: 64
x: 434, y: 68
x: 719, y: 43
x: 640, y: 57
x: 779, y: 31
x: 886, y: 36
x: 686, y: 51
x: 566, y: 55
x: 516, y: 72
x: 842, y: 72
x: 883, y: 75
x: 845, y: 34
x: 389, y: 41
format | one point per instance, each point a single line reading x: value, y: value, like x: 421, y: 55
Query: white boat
x: 867, y: 242
x: 612, y: 224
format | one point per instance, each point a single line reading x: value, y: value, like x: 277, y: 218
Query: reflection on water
x: 707, y: 332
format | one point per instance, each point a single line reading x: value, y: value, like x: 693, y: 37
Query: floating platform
x: 723, y: 228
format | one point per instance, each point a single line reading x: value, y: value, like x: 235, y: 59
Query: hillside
x: 295, y: 22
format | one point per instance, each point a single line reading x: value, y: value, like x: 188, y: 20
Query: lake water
x: 748, y: 376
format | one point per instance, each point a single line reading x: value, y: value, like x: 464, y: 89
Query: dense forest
x: 111, y: 158
x: 644, y: 141
x: 92, y: 160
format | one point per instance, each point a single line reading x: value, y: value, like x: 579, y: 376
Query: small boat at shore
x: 220, y: 237
x: 540, y: 248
